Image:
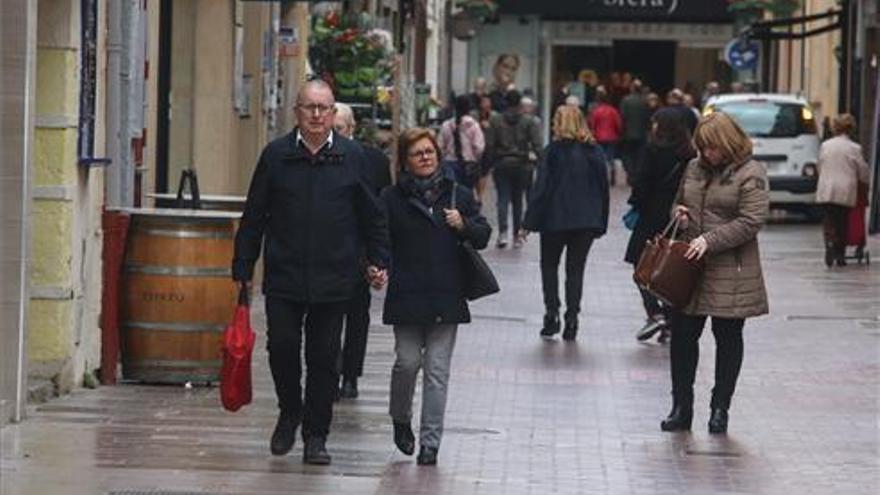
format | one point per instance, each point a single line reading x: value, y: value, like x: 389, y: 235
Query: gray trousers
x: 429, y: 347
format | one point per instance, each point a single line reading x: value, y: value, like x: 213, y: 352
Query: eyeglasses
x: 425, y: 153
x: 313, y: 108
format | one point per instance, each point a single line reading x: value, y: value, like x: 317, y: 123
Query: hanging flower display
x: 351, y: 58
x: 754, y: 8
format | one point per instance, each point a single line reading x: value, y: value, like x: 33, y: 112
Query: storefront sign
x: 707, y: 11
x: 702, y: 34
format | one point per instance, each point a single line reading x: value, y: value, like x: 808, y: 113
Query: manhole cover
x: 160, y: 492
x: 712, y: 453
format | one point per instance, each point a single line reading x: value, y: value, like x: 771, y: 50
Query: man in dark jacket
x: 513, y: 141
x: 310, y: 199
x: 357, y: 314
x: 635, y: 114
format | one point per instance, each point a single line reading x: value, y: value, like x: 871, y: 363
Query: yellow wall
x: 63, y: 340
x: 821, y: 81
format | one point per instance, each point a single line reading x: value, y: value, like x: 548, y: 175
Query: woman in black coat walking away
x: 569, y: 207
x: 654, y: 184
x: 425, y: 300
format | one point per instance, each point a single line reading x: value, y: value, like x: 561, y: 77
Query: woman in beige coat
x: 722, y: 203
x: 842, y: 169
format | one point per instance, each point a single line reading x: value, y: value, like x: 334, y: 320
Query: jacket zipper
x: 308, y: 232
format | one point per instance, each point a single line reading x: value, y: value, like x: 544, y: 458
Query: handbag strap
x: 243, y: 298
x: 673, y: 225
x: 452, y: 201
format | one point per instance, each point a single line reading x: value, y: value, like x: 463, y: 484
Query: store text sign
x: 696, y: 11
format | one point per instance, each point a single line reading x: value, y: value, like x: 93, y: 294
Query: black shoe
x: 551, y: 325
x: 679, y: 419
x: 284, y: 435
x: 652, y: 326
x: 403, y: 438
x: 829, y: 257
x: 427, y: 456
x: 665, y: 335
x: 841, y: 261
x: 349, y: 389
x: 571, y: 327
x: 315, y: 451
x: 501, y: 243
x: 718, y: 421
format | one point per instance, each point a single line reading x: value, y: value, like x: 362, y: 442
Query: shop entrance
x: 650, y: 60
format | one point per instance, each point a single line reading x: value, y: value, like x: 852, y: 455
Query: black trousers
x: 685, y: 353
x: 357, y: 324
x: 323, y: 324
x: 834, y: 227
x: 576, y: 244
x: 652, y: 305
x: 512, y: 183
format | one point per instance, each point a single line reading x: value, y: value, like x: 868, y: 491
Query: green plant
x: 347, y: 55
x: 779, y: 8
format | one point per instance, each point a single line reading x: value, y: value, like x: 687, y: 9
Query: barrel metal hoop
x: 186, y: 234
x: 174, y: 327
x: 178, y: 271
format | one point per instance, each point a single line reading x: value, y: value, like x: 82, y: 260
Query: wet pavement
x: 525, y: 416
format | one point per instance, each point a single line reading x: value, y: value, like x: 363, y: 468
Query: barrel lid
x: 176, y: 212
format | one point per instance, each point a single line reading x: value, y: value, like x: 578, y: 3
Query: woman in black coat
x: 569, y: 207
x: 654, y: 185
x: 425, y: 300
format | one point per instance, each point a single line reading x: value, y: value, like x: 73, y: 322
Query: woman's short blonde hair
x: 569, y: 123
x: 718, y: 130
x: 410, y: 137
x: 843, y: 124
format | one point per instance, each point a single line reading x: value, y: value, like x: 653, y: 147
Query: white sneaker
x: 651, y: 327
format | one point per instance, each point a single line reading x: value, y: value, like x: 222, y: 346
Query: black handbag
x: 479, y: 281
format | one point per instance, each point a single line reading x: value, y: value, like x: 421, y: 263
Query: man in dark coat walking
x: 310, y: 199
x: 357, y: 314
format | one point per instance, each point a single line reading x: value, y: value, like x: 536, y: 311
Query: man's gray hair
x: 344, y: 110
x: 313, y: 83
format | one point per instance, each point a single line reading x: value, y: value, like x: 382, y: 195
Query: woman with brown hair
x: 429, y: 215
x: 722, y: 204
x: 842, y: 170
x: 569, y: 207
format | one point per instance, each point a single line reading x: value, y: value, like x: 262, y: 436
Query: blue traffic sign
x: 742, y: 54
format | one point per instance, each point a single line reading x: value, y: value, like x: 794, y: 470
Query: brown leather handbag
x: 664, y: 271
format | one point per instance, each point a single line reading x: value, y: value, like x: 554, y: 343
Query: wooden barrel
x: 178, y: 296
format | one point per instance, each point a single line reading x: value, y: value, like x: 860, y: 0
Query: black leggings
x: 576, y: 244
x: 685, y: 353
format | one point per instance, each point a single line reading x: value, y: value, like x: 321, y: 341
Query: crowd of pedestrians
x: 330, y: 224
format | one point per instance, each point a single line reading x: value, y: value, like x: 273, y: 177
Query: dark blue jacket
x: 318, y: 214
x: 426, y: 283
x: 570, y: 191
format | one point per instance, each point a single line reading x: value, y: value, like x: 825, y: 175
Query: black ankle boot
x: 718, y: 421
x: 551, y: 324
x: 404, y: 438
x: 427, y: 456
x: 571, y: 327
x: 679, y: 418
x: 349, y: 388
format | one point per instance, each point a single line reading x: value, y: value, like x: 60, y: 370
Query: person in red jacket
x: 607, y: 127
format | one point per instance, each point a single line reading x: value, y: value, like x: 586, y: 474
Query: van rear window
x: 762, y: 118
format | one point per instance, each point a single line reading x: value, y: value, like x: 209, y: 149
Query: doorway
x: 652, y: 61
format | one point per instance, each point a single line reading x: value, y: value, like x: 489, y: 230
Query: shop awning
x: 689, y: 11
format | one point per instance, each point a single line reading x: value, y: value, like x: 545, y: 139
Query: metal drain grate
x: 712, y: 453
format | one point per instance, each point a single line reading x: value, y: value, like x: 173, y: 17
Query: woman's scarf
x: 425, y: 189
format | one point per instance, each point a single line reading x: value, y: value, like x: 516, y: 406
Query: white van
x: 784, y: 138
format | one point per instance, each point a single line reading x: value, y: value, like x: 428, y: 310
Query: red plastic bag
x: 238, y: 345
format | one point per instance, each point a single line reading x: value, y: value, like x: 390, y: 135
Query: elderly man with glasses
x: 312, y: 202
